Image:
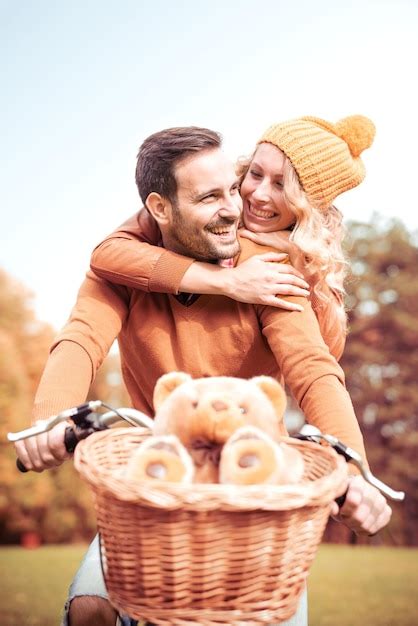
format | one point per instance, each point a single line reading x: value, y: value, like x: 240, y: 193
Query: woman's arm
x: 132, y: 256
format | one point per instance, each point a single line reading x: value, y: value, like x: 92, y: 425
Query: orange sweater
x: 129, y: 257
x: 213, y: 336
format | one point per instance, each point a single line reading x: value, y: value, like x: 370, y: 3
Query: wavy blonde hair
x: 317, y: 233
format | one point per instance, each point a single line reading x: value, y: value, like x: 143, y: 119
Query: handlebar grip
x: 70, y: 439
x: 21, y: 467
x: 70, y: 442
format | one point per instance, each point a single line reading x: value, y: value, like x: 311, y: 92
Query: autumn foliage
x: 54, y: 505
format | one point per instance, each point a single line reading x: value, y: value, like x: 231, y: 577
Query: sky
x: 83, y: 83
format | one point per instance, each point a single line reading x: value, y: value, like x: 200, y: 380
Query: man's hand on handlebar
x: 43, y: 451
x: 49, y: 442
x: 365, y: 509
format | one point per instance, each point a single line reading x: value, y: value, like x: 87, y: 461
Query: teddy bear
x: 217, y: 429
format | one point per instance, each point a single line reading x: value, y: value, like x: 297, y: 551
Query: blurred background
x: 83, y: 83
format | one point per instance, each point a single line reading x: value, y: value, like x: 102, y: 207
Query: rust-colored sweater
x: 213, y: 336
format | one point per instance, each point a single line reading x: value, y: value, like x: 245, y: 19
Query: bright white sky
x: 84, y: 82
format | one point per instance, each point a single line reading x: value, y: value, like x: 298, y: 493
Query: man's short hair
x: 162, y: 151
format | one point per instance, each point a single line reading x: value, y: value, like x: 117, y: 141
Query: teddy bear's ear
x: 274, y: 391
x: 166, y: 385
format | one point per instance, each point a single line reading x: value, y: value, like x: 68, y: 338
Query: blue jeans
x: 89, y: 581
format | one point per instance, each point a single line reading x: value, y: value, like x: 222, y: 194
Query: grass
x: 364, y: 586
x: 360, y: 586
x: 34, y: 583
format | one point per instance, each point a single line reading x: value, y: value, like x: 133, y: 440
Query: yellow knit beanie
x: 325, y: 156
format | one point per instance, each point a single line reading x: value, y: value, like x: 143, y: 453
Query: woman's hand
x: 365, y: 510
x: 280, y: 240
x: 43, y: 451
x: 262, y: 279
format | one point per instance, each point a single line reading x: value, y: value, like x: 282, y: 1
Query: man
x: 190, y: 188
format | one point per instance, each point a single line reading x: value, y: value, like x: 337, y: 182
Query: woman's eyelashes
x: 255, y: 174
x: 258, y: 176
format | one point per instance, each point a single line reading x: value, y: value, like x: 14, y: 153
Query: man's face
x: 204, y: 220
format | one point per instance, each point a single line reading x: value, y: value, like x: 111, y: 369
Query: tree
x: 46, y: 504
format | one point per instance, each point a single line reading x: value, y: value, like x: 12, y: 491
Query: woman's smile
x: 258, y: 211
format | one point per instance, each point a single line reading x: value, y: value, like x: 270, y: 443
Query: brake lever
x: 311, y: 433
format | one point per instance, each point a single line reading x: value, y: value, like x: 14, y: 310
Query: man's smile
x: 223, y: 232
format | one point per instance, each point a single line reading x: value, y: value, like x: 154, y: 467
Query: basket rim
x: 208, y: 496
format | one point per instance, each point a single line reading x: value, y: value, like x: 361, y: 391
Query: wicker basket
x: 206, y: 554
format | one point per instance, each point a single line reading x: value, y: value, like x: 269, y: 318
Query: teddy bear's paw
x: 161, y: 458
x: 250, y: 457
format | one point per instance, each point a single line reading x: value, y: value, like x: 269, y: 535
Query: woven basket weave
x: 206, y: 554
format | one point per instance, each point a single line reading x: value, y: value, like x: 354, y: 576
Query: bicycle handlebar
x: 87, y: 420
x: 311, y: 433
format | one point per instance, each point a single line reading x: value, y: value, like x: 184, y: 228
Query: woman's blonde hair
x: 318, y: 234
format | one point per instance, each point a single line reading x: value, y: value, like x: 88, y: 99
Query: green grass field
x: 359, y: 586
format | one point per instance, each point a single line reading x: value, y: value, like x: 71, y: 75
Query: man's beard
x: 193, y: 243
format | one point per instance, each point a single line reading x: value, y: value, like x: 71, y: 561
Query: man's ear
x: 159, y: 207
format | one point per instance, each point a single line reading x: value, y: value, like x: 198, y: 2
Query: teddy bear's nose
x: 218, y: 405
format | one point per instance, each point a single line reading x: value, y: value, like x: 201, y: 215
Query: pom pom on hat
x: 357, y: 131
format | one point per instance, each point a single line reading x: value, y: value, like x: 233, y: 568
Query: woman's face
x: 264, y: 206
